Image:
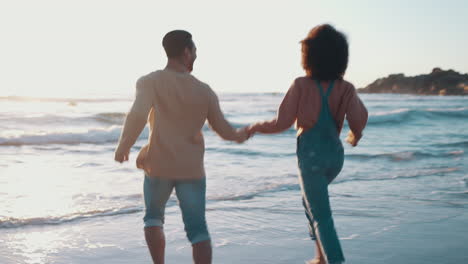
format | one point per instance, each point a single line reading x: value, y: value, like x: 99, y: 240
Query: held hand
x: 242, y: 135
x: 121, y: 157
x: 250, y: 131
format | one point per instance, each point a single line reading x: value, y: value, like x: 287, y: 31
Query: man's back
x: 179, y: 104
x: 180, y: 109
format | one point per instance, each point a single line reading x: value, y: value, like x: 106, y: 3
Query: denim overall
x: 320, y: 157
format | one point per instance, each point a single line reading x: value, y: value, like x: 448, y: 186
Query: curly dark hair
x: 325, y: 53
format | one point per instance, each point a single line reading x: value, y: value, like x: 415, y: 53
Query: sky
x: 100, y: 48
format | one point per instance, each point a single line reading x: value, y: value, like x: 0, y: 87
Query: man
x: 176, y: 104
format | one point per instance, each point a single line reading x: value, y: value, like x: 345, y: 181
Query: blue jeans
x: 191, y: 196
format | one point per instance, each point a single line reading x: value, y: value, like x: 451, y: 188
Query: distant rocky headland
x: 438, y: 82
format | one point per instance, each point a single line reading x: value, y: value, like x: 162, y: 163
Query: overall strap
x: 330, y: 86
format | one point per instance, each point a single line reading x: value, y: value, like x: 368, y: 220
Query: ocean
x: 402, y: 196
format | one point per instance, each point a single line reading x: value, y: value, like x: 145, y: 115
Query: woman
x: 318, y: 103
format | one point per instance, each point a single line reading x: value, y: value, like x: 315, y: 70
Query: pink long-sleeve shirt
x: 302, y: 104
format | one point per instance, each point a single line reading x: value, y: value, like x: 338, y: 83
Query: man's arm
x: 220, y: 125
x: 136, y: 118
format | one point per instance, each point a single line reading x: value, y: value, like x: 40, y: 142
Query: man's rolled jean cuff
x: 200, y: 238
x: 153, y: 222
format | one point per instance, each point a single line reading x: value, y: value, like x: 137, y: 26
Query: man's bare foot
x: 316, y: 261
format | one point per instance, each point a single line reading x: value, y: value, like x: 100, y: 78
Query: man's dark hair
x: 176, y: 41
x: 325, y: 53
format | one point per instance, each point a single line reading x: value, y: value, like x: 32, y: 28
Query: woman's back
x: 302, y: 105
x: 341, y: 101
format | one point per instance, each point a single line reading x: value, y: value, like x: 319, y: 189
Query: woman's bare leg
x: 319, y: 256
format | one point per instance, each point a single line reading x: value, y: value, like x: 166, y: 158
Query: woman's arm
x: 287, y: 114
x: 357, y: 115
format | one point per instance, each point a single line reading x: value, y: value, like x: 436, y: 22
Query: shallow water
x: 401, y: 192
